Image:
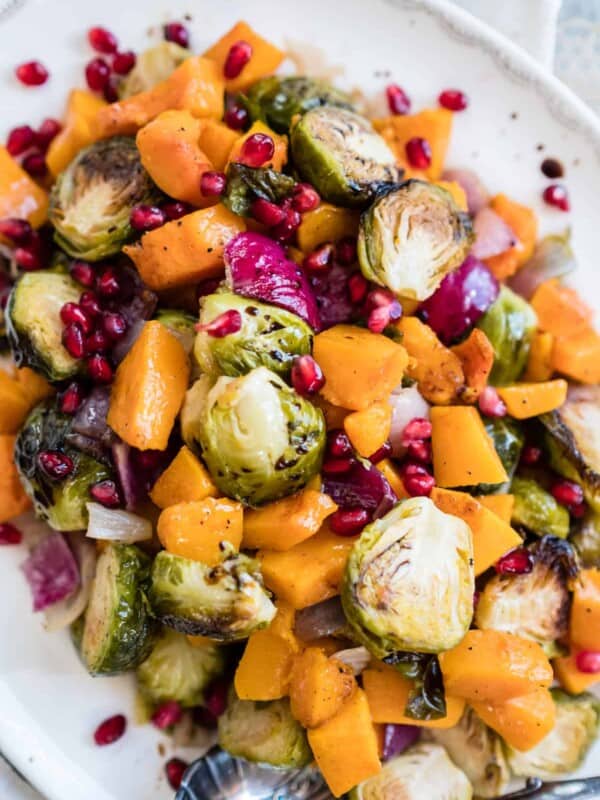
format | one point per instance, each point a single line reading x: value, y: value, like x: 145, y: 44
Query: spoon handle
x: 536, y: 789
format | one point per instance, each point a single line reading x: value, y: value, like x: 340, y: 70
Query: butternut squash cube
x: 14, y: 405
x: 79, y: 131
x: 539, y: 363
x: 585, y: 611
x: 265, y: 58
x: 392, y: 474
x: 578, y: 356
x: 436, y: 369
x: 369, y: 430
x: 264, y: 670
x: 522, y: 721
x: 13, y: 500
x: 36, y: 387
x: 526, y: 400
x: 185, y: 479
x: 433, y: 124
x: 20, y: 196
x: 570, y: 677
x: 284, y: 523
x: 319, y: 686
x: 216, y: 140
x: 197, y: 530
x: 523, y: 222
x: 500, y: 504
x: 279, y: 155
x: 326, y: 223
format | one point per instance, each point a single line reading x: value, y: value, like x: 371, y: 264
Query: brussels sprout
x: 180, y: 324
x: 269, y: 337
x: 509, y: 324
x: 34, y: 327
x: 534, y: 605
x: 61, y: 502
x: 91, y: 201
x: 536, y: 510
x: 246, y: 184
x: 342, y: 156
x: 259, y: 438
x: 226, y: 602
x: 277, y: 101
x: 586, y: 539
x: 426, y: 700
x: 176, y: 670
x: 478, y: 751
x: 567, y: 744
x: 409, y: 581
x: 573, y: 440
x: 422, y: 771
x: 411, y: 237
x: 153, y: 66
x: 118, y: 629
x: 263, y: 732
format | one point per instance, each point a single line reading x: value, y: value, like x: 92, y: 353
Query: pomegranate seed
x: 417, y: 481
x: 320, y: 259
x: 397, y: 99
x: 110, y: 730
x: 149, y: 459
x: 267, y: 213
x: 567, y: 493
x: 588, y: 661
x: 123, y: 63
x: 338, y: 444
x: 17, y: 230
x: 73, y: 340
x: 167, y: 714
x: 175, y: 210
x: 418, y: 152
x: 71, y: 312
x: 238, y: 56
x: 345, y: 251
x: 98, y: 342
x: 97, y: 73
x: 285, y: 230
x: 556, y: 195
x: 337, y: 466
x: 357, y: 287
x: 579, y: 510
x: 147, y: 218
x: 530, y: 455
x: 20, y: 139
x: 106, y: 493
x: 416, y: 430
x: 420, y: 451
x: 71, y: 398
x: 348, y: 521
x: 110, y: 92
x: 175, y: 770
x: 108, y: 284
x: 32, y: 73
x: 381, y: 317
x: 100, y: 369
x: 102, y: 41
x: 89, y: 302
x: 380, y: 297
x: 490, y: 403
x: 115, y: 325
x: 307, y: 377
x: 257, y: 150
x: 236, y: 117
x: 55, y: 464
x: 212, y: 183
x: 215, y: 699
x: 9, y: 534
x: 176, y: 32
x: 516, y: 562
x: 225, y: 324
x: 83, y: 273
x: 453, y: 100
x: 27, y: 259
x: 35, y: 165
x: 385, y: 451
x: 48, y: 130
x: 305, y: 198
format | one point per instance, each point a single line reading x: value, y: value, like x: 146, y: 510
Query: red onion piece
x: 333, y: 296
x: 492, y: 234
x: 61, y: 614
x: 553, y: 258
x: 398, y: 738
x: 477, y: 195
x: 51, y: 571
x: 362, y: 486
x: 320, y: 619
x: 90, y: 419
x: 406, y: 404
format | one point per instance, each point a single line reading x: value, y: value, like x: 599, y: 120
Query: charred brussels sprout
x: 534, y: 605
x: 180, y: 324
x: 91, y: 201
x: 567, y: 744
x: 509, y: 324
x: 423, y: 771
x: 277, y: 100
x: 269, y: 337
x: 260, y: 440
x: 118, y: 629
x: 263, y: 732
x: 177, y: 670
x: 409, y: 581
x: 61, y: 502
x: 573, y: 440
x: 586, y: 540
x: 342, y: 156
x: 225, y: 603
x: 508, y: 438
x: 153, y: 66
x: 411, y: 237
x: 34, y: 326
x: 247, y: 184
x: 427, y: 699
x: 536, y: 510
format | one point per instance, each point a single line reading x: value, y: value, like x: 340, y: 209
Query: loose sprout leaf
x: 427, y: 700
x: 246, y: 184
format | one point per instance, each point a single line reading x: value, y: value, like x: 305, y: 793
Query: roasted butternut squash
x: 570, y: 677
x: 458, y: 193
x: 79, y: 130
x: 560, y: 309
x: 334, y: 415
x: 391, y: 472
x: 13, y: 500
x: 436, y: 369
x: 578, y: 357
x: 319, y: 686
x: 283, y: 623
x: 433, y: 124
x: 360, y: 367
x: 20, y: 196
x: 285, y: 523
x: 34, y: 385
x: 539, y: 363
x: 197, y: 530
x: 265, y: 58
x: 476, y: 356
x: 523, y: 222
x: 369, y: 430
x: 522, y: 721
x: 265, y: 668
x: 526, y: 400
x: 185, y: 480
x: 279, y: 155
x: 149, y: 388
x: 186, y: 250
x: 216, y: 140
x: 326, y: 223
x: 585, y: 611
x: 500, y: 504
x: 14, y: 405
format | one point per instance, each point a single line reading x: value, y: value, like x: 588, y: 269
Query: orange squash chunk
x: 20, y: 196
x: 326, y: 223
x: 14, y: 405
x: 279, y: 155
x: 13, y: 500
x: 197, y: 530
x: 283, y: 623
x: 216, y: 140
x: 526, y: 400
x: 458, y: 193
x: 287, y: 522
x: 585, y: 611
x: 264, y: 670
x: 369, y: 430
x: 433, y: 124
x: 319, y: 686
x: 570, y: 677
x: 578, y: 357
x: 560, y: 309
x: 436, y: 369
x: 185, y: 480
x: 476, y: 356
x: 149, y: 388
x: 392, y: 474
x: 539, y: 363
x: 265, y: 58
x: 522, y: 721
x: 79, y: 131
x: 334, y: 415
x: 523, y: 222
x: 500, y: 504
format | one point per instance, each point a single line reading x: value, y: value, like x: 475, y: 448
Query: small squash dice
x: 149, y: 388
x: 265, y: 58
x: 526, y: 400
x: 13, y: 500
x: 522, y: 721
x: 500, y: 504
x: 284, y: 523
x: 279, y: 155
x: 20, y: 196
x: 265, y: 668
x: 197, y: 530
x: 283, y: 623
x: 578, y: 356
x: 433, y: 124
x: 185, y: 480
x: 539, y: 362
x: 34, y: 385
x: 319, y: 687
x: 369, y: 430
x: 570, y: 677
x: 523, y: 222
x: 476, y: 356
x: 79, y: 130
x: 216, y: 140
x: 14, y: 406
x: 458, y: 193
x: 585, y: 611
x: 326, y: 223
x: 560, y: 309
x: 436, y: 369
x: 391, y: 473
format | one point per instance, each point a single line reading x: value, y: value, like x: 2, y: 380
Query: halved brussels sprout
x: 61, y: 502
x: 269, y: 337
x: 478, y: 751
x: 422, y: 771
x: 509, y: 324
x: 118, y: 629
x: 153, y: 66
x: 533, y: 605
x: 536, y: 509
x: 260, y: 440
x: 91, y: 201
x: 225, y: 603
x: 342, y: 156
x: 263, y: 732
x: 176, y: 670
x: 508, y: 438
x: 246, y: 184
x: 409, y: 581
x: 567, y: 744
x: 573, y: 440
x: 411, y: 237
x: 180, y: 324
x: 586, y: 539
x: 277, y: 101
x: 34, y: 326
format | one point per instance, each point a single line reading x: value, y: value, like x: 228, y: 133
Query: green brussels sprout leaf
x: 508, y: 438
x: 536, y: 510
x: 426, y: 700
